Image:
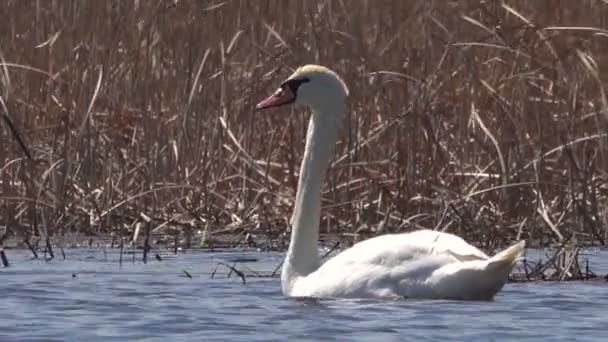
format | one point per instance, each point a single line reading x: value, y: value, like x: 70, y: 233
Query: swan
x: 421, y: 264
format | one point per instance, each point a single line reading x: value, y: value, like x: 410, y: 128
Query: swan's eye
x: 286, y: 94
x: 294, y: 84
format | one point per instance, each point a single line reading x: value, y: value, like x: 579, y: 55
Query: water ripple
x: 89, y: 297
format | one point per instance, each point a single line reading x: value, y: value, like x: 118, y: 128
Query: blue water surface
x: 90, y: 297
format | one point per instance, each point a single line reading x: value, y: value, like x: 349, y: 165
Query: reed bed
x: 487, y: 119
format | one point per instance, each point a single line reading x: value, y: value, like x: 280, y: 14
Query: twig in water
x: 232, y: 269
x: 63, y: 251
x: 3, y: 257
x: 274, y: 273
x: 244, y: 259
x: 525, y: 262
x: 122, y: 245
x: 49, y: 247
x: 331, y: 249
x: 32, y: 249
x: 147, y: 246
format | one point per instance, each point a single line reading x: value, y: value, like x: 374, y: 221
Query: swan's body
x: 421, y: 264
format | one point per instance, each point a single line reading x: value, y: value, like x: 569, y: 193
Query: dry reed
x: 485, y: 119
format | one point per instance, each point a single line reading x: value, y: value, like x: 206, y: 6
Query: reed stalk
x: 486, y: 119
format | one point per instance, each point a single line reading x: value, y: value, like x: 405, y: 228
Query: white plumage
x: 421, y: 264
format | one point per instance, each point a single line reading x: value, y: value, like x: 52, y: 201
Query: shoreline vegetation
x: 488, y: 120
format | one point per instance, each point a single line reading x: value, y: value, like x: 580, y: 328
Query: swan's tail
x: 508, y: 257
x: 479, y: 279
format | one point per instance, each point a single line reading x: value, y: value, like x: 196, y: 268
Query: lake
x: 89, y: 297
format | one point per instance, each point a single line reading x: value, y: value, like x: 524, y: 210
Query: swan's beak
x: 281, y: 97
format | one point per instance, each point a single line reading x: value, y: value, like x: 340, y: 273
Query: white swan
x: 420, y: 264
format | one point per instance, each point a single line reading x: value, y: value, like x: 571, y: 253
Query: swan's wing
x: 360, y: 280
x: 445, y: 243
x: 396, y: 249
x: 380, y: 265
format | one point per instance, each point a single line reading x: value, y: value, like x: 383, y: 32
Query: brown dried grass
x: 486, y: 119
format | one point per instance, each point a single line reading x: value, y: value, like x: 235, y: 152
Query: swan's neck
x: 302, y: 257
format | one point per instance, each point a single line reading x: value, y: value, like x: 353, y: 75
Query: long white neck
x: 302, y: 256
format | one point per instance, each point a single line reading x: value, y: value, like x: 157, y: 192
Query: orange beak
x: 281, y: 97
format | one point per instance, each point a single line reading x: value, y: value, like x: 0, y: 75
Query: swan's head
x: 312, y: 86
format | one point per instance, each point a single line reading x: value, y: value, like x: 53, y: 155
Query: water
x: 43, y: 301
